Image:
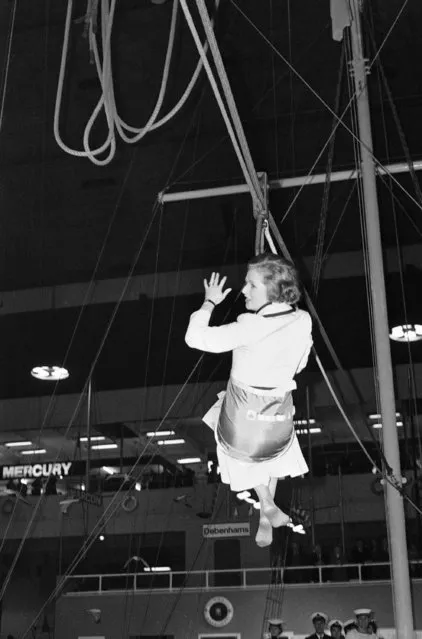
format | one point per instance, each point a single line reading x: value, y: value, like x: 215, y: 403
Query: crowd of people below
x: 363, y: 626
x: 314, y: 564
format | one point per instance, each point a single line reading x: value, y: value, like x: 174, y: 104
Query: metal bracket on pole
x: 261, y: 213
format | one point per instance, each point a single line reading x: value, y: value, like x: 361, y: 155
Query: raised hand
x: 214, y: 289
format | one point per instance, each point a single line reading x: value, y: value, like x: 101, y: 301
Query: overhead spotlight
x: 50, y: 373
x: 406, y: 333
x: 101, y: 537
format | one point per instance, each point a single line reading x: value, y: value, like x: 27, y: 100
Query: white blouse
x: 269, y: 349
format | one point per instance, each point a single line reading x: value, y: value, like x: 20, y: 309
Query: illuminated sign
x: 214, y: 531
x: 29, y: 471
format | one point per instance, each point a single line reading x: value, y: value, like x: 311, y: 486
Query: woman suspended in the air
x: 253, y: 419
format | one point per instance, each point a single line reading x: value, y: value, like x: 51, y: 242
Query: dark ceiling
x: 64, y: 220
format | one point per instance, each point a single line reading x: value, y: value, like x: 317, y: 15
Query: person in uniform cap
x: 349, y: 625
x: 319, y: 619
x: 363, y: 617
x: 275, y: 629
x: 336, y: 629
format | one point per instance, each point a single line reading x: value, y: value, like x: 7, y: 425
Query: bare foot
x: 275, y: 516
x: 264, y: 535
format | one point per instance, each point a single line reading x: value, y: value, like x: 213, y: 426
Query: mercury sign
x: 60, y: 469
x: 214, y: 531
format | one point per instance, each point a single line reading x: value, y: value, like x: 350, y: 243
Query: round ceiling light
x: 406, y: 333
x: 50, y: 373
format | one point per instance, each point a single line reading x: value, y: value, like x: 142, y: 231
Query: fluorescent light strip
x: 17, y: 444
x: 103, y: 446
x: 109, y: 470
x: 379, y: 425
x: 304, y: 431
x: 168, y: 442
x: 38, y: 451
x: 377, y: 416
x: 160, y: 433
x: 303, y: 422
x: 94, y: 438
x: 189, y: 460
x: 157, y: 569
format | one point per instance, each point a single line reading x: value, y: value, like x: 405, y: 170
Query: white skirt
x: 242, y: 475
x: 245, y: 475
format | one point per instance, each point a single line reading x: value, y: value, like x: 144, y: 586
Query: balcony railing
x: 236, y: 578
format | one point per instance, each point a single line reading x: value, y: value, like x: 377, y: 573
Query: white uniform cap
x: 275, y: 622
x: 362, y: 611
x: 315, y: 615
x: 349, y: 622
x: 335, y: 622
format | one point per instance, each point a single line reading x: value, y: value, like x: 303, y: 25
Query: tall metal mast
x: 393, y: 500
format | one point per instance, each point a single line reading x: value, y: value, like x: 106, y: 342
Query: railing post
x: 100, y: 583
x: 360, y: 573
x: 171, y: 581
x: 320, y: 574
x: 244, y: 578
x: 207, y: 585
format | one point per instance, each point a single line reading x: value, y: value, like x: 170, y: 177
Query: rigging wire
x: 340, y: 119
x: 339, y: 221
x: 237, y: 143
x: 317, y: 267
x: 274, y: 91
x: 276, y: 589
x: 179, y: 267
x: 214, y: 516
x: 383, y: 78
x: 401, y: 206
x: 5, y: 74
x: 256, y: 106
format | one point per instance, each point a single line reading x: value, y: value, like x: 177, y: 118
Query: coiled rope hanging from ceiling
x: 107, y: 102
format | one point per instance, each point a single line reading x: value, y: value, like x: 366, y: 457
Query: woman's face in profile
x: 254, y: 290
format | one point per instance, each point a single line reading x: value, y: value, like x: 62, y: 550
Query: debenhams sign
x: 60, y: 469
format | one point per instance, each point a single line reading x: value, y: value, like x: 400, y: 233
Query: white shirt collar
x: 275, y: 307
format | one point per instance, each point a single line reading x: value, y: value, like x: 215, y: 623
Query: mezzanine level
x: 255, y: 578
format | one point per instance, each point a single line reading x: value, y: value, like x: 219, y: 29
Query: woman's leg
x: 264, y: 535
x: 275, y: 515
